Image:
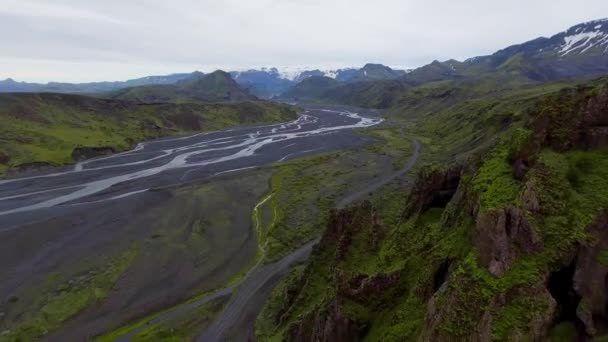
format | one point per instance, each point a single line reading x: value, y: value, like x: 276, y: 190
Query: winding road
x: 95, y: 208
x: 245, y: 305
x: 59, y: 213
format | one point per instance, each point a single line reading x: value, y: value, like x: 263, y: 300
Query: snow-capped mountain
x: 299, y: 73
x: 263, y: 82
x: 288, y: 73
x: 590, y: 38
x: 268, y: 82
x: 579, y: 52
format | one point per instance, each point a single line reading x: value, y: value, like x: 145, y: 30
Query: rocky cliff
x: 514, y: 246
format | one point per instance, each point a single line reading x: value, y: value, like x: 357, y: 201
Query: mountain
x: 50, y: 129
x: 371, y: 94
x: 9, y: 85
x: 581, y: 52
x: 271, y: 82
x: 376, y: 72
x: 586, y: 39
x: 312, y: 87
x: 374, y: 85
x: 263, y: 82
x: 502, y: 234
x: 214, y: 87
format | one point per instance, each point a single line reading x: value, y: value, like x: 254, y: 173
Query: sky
x: 88, y: 40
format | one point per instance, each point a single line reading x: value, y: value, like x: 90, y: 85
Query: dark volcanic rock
x: 502, y: 235
x: 33, y: 166
x: 363, y: 286
x: 186, y: 121
x: 591, y: 277
x: 573, y: 119
x: 326, y: 325
x: 4, y: 158
x: 82, y: 153
x: 433, y: 188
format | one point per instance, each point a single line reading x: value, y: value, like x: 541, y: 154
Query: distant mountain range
x: 578, y: 53
x: 11, y: 86
x: 41, y: 129
x: 263, y: 82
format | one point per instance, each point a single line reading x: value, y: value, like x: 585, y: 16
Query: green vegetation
x: 394, y: 144
x: 311, y: 88
x: 602, y: 258
x: 494, y: 181
x: 215, y: 87
x: 564, y: 332
x: 180, y: 328
x: 198, y: 233
x: 64, y: 299
x: 305, y: 190
x: 185, y: 327
x: 46, y: 128
x: 303, y: 193
x: 560, y: 189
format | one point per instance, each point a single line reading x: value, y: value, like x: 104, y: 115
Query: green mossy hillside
x: 44, y: 129
x: 479, y: 265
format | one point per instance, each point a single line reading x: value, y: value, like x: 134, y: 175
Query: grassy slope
x: 451, y: 128
x: 59, y: 299
x: 305, y: 190
x: 215, y: 87
x: 47, y: 127
x: 283, y: 221
x: 310, y: 88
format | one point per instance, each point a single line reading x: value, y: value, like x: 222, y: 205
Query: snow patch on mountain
x: 295, y: 73
x: 581, y: 42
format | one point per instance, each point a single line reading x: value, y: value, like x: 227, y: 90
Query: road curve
x: 383, y: 181
x: 51, y: 221
x: 268, y: 275
x: 248, y: 289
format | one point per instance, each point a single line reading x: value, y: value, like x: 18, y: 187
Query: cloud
x: 31, y: 8
x: 156, y: 36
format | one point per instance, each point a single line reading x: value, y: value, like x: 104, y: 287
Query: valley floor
x: 120, y: 240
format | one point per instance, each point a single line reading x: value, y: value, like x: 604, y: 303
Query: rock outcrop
x: 328, y: 321
x: 363, y: 286
x: 30, y: 167
x: 326, y: 325
x: 591, y: 277
x: 4, y: 158
x: 502, y: 236
x: 433, y: 188
x: 574, y: 118
x: 82, y: 153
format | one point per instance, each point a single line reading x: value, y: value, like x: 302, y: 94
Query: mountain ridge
x: 262, y: 82
x: 218, y: 86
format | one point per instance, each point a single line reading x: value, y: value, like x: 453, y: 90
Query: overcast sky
x: 87, y: 40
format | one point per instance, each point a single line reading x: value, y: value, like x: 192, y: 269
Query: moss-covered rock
x: 510, y: 247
